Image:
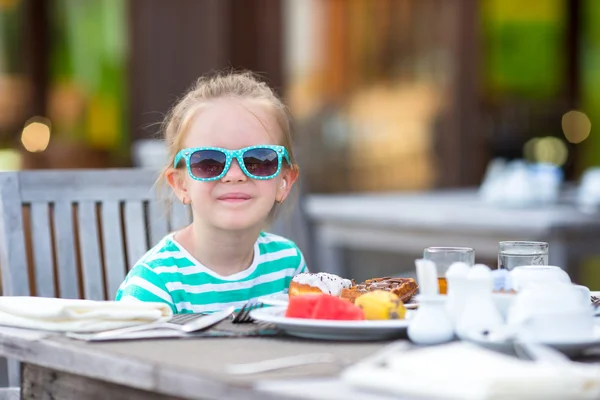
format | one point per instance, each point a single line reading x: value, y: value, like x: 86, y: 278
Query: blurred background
x: 440, y: 87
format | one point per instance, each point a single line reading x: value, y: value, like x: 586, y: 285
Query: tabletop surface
x: 196, y: 368
x: 180, y: 367
x: 455, y: 209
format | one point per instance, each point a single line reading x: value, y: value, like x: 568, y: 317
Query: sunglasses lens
x: 261, y: 162
x: 207, y: 163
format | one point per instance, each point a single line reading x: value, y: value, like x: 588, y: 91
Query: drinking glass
x: 443, y: 257
x: 516, y: 253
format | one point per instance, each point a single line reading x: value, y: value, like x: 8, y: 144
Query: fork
x: 243, y: 316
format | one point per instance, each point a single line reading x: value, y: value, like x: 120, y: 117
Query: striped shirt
x: 168, y: 273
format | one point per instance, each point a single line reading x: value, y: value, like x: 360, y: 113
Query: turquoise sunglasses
x: 212, y: 163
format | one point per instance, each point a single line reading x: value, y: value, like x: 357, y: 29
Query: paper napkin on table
x: 71, y: 315
x: 467, y: 372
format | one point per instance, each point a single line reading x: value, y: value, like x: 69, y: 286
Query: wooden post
x: 461, y: 148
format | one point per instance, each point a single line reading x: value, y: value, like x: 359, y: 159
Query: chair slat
x: 112, y: 239
x: 14, y: 372
x: 93, y: 284
x: 42, y: 250
x: 157, y: 221
x: 65, y: 250
x: 13, y: 257
x: 82, y: 194
x: 89, y: 185
x: 180, y: 216
x: 135, y: 231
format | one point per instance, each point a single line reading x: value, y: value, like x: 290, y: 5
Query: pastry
x: 318, y: 283
x: 404, y: 288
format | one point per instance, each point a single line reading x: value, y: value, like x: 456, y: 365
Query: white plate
x: 568, y: 347
x: 331, y: 330
x: 275, y: 299
x: 282, y: 299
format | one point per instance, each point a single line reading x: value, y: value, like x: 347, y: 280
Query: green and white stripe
x: 168, y: 273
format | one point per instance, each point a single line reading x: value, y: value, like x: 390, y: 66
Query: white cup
x: 552, y: 312
x: 523, y: 276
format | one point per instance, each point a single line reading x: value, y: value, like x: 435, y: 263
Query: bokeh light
x: 36, y: 134
x: 529, y: 149
x: 10, y: 160
x: 550, y: 150
x: 576, y: 126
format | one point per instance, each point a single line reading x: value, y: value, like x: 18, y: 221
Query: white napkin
x: 69, y: 315
x: 467, y: 372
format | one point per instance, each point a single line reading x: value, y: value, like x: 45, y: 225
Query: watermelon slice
x: 302, y: 306
x: 323, y: 306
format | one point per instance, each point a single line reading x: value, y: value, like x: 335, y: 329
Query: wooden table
x: 56, y: 367
x: 407, y: 223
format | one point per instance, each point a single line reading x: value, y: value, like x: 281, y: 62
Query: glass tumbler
x: 443, y: 257
x: 517, y: 253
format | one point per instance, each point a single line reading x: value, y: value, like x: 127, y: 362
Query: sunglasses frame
x: 186, y: 154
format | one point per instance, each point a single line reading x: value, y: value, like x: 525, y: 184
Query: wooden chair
x: 76, y: 233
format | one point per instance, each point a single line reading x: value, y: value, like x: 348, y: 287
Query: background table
x: 407, y: 223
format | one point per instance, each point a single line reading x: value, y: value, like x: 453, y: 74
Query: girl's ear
x: 288, y: 178
x: 176, y: 179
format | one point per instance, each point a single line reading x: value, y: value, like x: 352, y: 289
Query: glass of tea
x: 443, y: 257
x: 518, y: 253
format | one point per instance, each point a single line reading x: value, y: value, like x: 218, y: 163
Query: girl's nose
x: 235, y: 173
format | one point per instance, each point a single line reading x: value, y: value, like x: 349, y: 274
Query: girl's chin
x: 236, y: 226
x: 236, y: 222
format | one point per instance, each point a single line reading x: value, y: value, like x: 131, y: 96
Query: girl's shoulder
x: 274, y: 247
x: 167, y: 251
x: 283, y: 251
x: 274, y: 242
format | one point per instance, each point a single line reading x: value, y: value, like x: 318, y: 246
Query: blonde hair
x: 242, y: 85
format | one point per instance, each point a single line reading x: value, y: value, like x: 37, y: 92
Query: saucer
x: 568, y: 347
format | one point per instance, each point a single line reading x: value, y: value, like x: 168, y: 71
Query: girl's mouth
x: 234, y: 197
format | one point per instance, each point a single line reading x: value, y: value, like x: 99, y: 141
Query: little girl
x: 231, y: 160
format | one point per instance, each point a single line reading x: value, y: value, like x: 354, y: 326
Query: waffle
x: 405, y: 288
